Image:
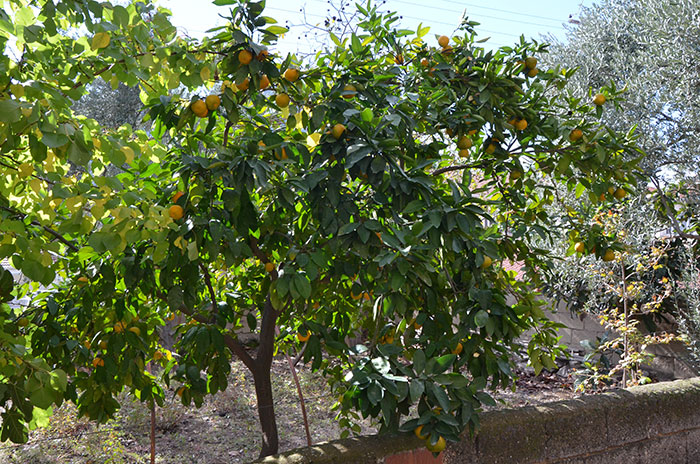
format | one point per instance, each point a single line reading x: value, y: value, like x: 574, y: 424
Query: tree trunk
x: 263, y: 382
x: 266, y: 411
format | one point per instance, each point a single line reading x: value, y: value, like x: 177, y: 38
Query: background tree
x: 649, y: 48
x: 311, y: 202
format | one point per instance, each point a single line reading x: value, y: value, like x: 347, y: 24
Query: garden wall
x: 657, y: 423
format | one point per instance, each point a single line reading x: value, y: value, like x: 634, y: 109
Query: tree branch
x: 47, y: 229
x: 670, y: 213
x: 233, y: 344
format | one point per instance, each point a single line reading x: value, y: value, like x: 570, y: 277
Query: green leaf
x: 9, y: 111
x: 375, y: 393
x: 481, y: 318
x: 418, y: 361
x: 42, y: 398
x: 416, y: 389
x: 444, y: 362
x: 13, y: 427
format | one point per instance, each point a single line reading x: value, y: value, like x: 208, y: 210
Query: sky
x: 501, y: 20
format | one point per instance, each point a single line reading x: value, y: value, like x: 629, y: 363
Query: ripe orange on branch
x: 213, y: 102
x: 338, y: 131
x: 282, y: 100
x: 349, y: 91
x: 575, y: 135
x: 176, y: 212
x: 291, y: 74
x: 245, y: 57
x: 199, y: 108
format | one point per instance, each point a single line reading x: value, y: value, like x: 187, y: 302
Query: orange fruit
x: 180, y: 391
x: 282, y: 100
x: 98, y: 362
x: 244, y: 85
x: 609, y: 255
x: 437, y: 447
x: 263, y: 55
x: 464, y: 142
x: 199, y: 108
x: 291, y: 74
x: 575, y: 135
x: 119, y: 327
x: 23, y: 322
x: 135, y: 330
x: 304, y: 337
x: 176, y: 212
x: 515, y: 175
x: 349, y: 91
x: 337, y: 131
x: 533, y: 72
x: 103, y: 344
x: 458, y: 349
x: 490, y: 148
x: 212, y: 102
x: 82, y: 280
x: 443, y: 41
x: 269, y: 267
x: 599, y: 99
x: 424, y: 62
x: 245, y: 57
x: 579, y: 247
x: 620, y: 194
x: 464, y: 153
x: 521, y: 124
x: 531, y: 62
x: 487, y: 262
x: 157, y: 356
x: 264, y: 82
x: 177, y: 196
x: 417, y: 431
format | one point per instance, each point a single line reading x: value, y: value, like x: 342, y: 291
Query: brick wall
x: 658, y: 423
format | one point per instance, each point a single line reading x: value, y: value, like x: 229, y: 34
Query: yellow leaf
x: 98, y: 209
x: 313, y: 139
x: 285, y: 112
x: 35, y: 185
x: 17, y: 90
x: 205, y: 74
x: 299, y: 125
x: 129, y: 154
x: 180, y: 243
x: 100, y: 40
x: 26, y: 112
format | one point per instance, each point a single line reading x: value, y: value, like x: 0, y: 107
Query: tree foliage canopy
x: 329, y: 217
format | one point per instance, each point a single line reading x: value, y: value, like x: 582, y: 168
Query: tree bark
x: 266, y: 411
x: 263, y: 382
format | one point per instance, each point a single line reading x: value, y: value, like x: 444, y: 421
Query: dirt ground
x: 225, y: 429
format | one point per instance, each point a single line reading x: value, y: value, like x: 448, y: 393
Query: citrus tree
x: 375, y: 192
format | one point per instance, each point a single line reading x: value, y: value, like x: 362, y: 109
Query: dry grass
x: 224, y: 430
